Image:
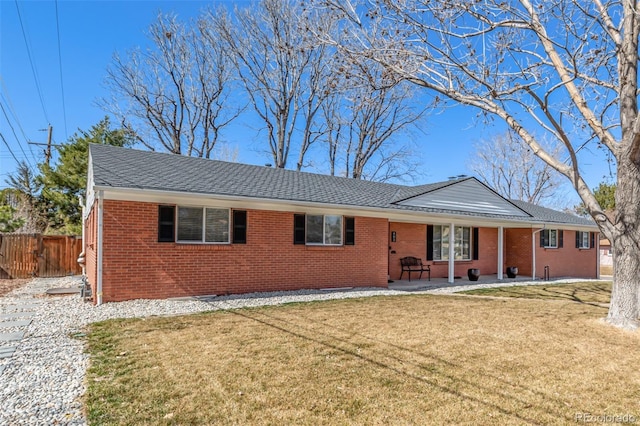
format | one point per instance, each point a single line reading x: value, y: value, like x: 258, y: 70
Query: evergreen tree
x: 605, y: 193
x: 67, y: 179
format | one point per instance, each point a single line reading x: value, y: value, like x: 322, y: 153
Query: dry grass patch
x: 8, y: 285
x: 384, y: 360
x: 589, y: 292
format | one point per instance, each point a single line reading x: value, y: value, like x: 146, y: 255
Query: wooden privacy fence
x: 37, y: 255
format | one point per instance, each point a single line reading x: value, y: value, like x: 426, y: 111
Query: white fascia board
x: 232, y: 201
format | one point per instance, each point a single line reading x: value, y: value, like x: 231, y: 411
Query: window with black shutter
x: 349, y: 231
x: 429, y: 242
x: 584, y: 240
x: 551, y: 238
x: 239, y: 227
x: 299, y: 229
x: 476, y: 243
x: 166, y: 224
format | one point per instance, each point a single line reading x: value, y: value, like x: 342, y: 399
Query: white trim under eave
x: 233, y: 201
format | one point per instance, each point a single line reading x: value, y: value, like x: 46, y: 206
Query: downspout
x: 533, y: 252
x: 82, y: 257
x: 100, y: 196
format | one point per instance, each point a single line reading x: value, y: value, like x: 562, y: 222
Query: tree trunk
x: 624, y: 308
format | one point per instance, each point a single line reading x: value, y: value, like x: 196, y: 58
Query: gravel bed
x: 43, y: 382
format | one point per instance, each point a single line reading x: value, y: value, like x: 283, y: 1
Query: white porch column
x: 452, y: 269
x: 500, y: 251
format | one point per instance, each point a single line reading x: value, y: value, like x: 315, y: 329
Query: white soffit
x: 465, y: 196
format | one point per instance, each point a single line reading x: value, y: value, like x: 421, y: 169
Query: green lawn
x: 382, y: 360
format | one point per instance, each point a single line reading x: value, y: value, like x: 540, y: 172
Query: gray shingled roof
x: 127, y: 168
x: 544, y: 214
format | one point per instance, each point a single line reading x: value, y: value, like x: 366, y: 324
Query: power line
x: 16, y: 136
x: 33, y: 68
x: 9, y: 148
x: 64, y: 109
x: 12, y: 112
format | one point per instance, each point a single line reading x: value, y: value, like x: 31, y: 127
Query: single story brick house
x: 161, y: 225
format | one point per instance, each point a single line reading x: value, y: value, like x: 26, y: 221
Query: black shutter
x: 349, y: 231
x: 429, y: 242
x: 593, y: 240
x: 578, y: 239
x: 475, y: 242
x: 560, y: 238
x: 544, y: 236
x: 298, y: 229
x: 239, y: 227
x: 166, y: 224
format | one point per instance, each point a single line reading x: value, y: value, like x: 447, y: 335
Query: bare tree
x: 511, y: 168
x: 364, y: 116
x: 283, y: 69
x: 563, y: 70
x: 174, y: 97
x: 376, y: 115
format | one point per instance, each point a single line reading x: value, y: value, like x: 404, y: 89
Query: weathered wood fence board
x: 36, y: 255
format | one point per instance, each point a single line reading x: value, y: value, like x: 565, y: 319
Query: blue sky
x: 90, y: 32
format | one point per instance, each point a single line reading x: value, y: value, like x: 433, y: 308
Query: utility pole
x: 47, y: 151
x: 47, y: 154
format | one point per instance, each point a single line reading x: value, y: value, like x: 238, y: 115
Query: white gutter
x: 533, y: 252
x: 99, y: 238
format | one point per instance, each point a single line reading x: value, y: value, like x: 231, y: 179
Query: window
x: 582, y: 240
x: 323, y: 230
x: 203, y: 225
x: 551, y: 238
x: 440, y: 243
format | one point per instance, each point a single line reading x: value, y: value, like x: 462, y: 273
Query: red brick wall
x: 135, y: 265
x: 411, y: 240
x: 517, y: 249
x: 567, y: 261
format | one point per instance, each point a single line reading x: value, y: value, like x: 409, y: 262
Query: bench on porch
x: 413, y: 264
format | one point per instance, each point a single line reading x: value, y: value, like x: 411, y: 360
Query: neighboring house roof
x: 121, y: 168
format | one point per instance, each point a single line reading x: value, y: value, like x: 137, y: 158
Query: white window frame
x: 324, y: 230
x: 555, y: 236
x: 582, y: 236
x: 204, y: 226
x: 443, y: 241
